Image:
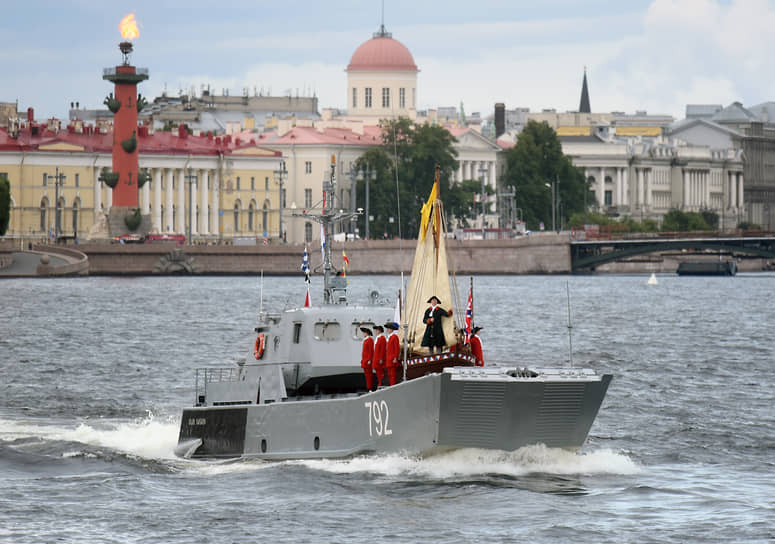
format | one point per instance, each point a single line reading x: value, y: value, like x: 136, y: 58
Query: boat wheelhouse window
x: 327, y: 330
x: 356, y: 329
x: 296, y: 333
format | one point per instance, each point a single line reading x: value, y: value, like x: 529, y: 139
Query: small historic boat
x: 302, y: 393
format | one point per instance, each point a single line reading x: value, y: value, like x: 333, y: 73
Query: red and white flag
x: 306, y: 300
x: 469, y: 316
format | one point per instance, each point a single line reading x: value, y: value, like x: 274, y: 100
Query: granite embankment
x: 539, y: 254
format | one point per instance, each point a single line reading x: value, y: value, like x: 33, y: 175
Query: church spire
x: 584, y: 105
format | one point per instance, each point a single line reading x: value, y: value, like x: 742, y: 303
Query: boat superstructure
x: 301, y: 392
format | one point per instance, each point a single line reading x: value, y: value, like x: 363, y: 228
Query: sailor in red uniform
x: 476, y: 346
x: 378, y: 360
x: 366, y: 354
x: 393, y: 353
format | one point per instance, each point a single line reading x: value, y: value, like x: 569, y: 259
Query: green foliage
x: 5, y: 204
x: 459, y: 202
x: 536, y: 160
x: 413, y: 151
x: 678, y: 221
x: 747, y: 225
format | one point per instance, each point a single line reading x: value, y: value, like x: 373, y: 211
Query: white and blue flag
x: 305, y: 264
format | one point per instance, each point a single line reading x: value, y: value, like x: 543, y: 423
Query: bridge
x: 588, y: 254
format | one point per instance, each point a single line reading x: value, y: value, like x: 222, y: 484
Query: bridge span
x: 586, y: 255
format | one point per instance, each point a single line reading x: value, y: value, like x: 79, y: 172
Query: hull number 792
x: 379, y: 418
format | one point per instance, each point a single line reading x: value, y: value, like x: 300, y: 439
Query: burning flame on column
x: 128, y: 27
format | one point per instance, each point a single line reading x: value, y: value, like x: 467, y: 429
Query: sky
x: 653, y: 55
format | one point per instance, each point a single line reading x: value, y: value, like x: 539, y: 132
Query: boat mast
x: 328, y: 217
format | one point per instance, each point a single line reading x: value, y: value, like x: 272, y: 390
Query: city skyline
x: 643, y: 55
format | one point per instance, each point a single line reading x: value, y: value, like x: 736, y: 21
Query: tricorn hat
x: 366, y: 330
x: 476, y: 329
x: 379, y: 328
x: 437, y: 299
x: 391, y: 325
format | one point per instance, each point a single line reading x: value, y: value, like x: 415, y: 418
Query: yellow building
x: 213, y: 188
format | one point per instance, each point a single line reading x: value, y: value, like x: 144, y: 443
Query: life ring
x: 258, y: 349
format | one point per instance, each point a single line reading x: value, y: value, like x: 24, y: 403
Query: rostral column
x: 125, y: 104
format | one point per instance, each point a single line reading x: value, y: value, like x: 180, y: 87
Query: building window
x: 401, y: 97
x: 251, y: 211
x: 296, y: 333
x: 385, y: 97
x: 238, y: 183
x: 609, y: 198
x: 367, y: 97
x: 252, y: 183
x: 307, y: 232
x: 77, y: 180
x: 608, y: 179
x: 266, y: 183
x: 45, y: 179
x: 355, y: 97
x: 265, y: 218
x: 307, y: 198
x: 43, y: 214
x: 307, y: 167
x: 236, y: 216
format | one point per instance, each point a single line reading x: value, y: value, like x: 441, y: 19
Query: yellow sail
x: 430, y: 274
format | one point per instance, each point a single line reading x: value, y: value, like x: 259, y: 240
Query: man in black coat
x: 434, y: 333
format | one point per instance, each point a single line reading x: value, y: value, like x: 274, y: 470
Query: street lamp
x: 192, y: 180
x: 59, y: 181
x: 280, y: 176
x: 369, y: 175
x: 555, y: 199
x: 483, y: 171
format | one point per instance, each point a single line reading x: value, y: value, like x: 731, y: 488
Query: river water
x: 94, y: 372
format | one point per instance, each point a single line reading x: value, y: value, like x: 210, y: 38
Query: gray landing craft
x: 304, y: 396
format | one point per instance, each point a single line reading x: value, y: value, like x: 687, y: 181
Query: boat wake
x: 147, y: 438
x: 471, y: 463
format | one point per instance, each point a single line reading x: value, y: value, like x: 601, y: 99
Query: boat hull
x: 494, y: 408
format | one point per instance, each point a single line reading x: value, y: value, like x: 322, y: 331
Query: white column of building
x: 626, y: 185
x: 146, y: 205
x: 729, y: 192
x: 459, y: 173
x: 601, y: 188
x: 648, y: 177
x: 618, y: 192
x: 491, y: 174
x: 740, y: 194
x: 157, y: 199
x: 706, y: 188
x: 685, y: 185
x: 204, y: 208
x: 181, y: 211
x: 97, y: 193
x: 216, y: 206
x: 168, y: 193
x: 639, y: 187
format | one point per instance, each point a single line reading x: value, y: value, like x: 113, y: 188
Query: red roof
x: 158, y: 142
x: 372, y: 135
x: 382, y: 53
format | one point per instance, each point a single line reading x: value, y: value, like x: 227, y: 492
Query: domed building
x: 382, y: 79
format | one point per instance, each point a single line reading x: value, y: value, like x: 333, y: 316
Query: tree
x: 678, y: 221
x: 459, y: 201
x: 412, y: 152
x: 5, y: 204
x: 535, y: 161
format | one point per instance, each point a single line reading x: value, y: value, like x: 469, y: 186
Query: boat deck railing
x: 214, y: 375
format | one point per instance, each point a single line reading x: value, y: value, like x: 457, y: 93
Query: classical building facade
x: 646, y: 178
x: 211, y: 188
